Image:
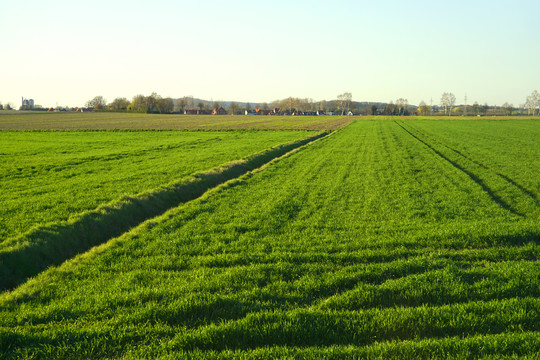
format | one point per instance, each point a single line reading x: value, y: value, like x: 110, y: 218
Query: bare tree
x: 345, y: 101
x: 508, y: 108
x: 532, y: 103
x: 97, y: 103
x: 181, y: 104
x: 447, y: 101
x: 233, y: 108
x: 189, y: 102
x: 402, y: 106
x: 290, y: 103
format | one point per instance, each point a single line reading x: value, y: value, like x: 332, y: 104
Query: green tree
x: 119, y: 104
x: 151, y: 102
x: 164, y: 105
x: 138, y: 103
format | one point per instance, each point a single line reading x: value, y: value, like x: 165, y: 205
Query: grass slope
x: 369, y: 243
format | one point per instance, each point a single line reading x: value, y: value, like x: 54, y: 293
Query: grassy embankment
x: 384, y: 240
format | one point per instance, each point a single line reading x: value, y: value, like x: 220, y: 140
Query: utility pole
x: 465, y: 110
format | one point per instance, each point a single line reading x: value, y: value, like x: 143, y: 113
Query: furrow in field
x: 473, y: 176
x: 32, y: 252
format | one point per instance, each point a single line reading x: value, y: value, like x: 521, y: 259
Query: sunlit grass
x: 375, y: 242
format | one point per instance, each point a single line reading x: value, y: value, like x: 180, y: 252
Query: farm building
x: 219, y: 111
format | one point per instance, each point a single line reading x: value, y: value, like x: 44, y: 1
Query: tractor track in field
x: 474, y: 177
x: 525, y: 191
x: 29, y: 254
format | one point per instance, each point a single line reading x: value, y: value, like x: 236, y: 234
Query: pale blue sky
x: 66, y: 52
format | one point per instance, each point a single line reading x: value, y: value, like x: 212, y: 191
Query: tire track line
x: 525, y: 191
x: 470, y: 174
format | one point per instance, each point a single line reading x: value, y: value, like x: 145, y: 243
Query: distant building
x: 27, y: 103
x: 219, y: 111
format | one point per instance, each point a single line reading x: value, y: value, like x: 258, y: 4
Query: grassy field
x: 65, y: 173
x: 88, y: 187
x: 17, y: 120
x: 387, y: 239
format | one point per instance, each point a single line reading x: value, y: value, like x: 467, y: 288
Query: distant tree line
x: 159, y: 105
x: 343, y: 105
x: 151, y: 104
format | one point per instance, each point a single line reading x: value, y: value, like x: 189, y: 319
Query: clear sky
x: 67, y: 52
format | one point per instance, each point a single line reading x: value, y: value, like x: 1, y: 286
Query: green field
x: 394, y: 238
x: 50, y: 176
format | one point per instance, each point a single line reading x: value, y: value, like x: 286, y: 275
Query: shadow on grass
x: 36, y: 250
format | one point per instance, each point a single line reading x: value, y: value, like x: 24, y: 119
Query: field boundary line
x: 470, y: 174
x: 48, y: 245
